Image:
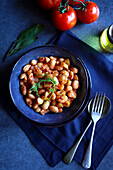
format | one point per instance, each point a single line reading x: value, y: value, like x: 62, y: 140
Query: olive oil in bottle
x: 106, y: 39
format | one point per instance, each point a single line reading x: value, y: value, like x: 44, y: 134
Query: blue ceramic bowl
x: 51, y: 119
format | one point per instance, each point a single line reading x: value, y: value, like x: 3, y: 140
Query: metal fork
x: 96, y: 111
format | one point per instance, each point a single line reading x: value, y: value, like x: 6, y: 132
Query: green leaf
x: 25, y: 38
x: 31, y: 31
x: 22, y: 44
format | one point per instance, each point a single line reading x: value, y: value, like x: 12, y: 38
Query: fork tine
x: 100, y: 101
x: 102, y: 106
x: 97, y: 101
x: 94, y: 102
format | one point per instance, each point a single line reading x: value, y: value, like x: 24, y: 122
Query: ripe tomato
x: 64, y: 21
x: 89, y: 13
x: 48, y: 4
x: 74, y: 3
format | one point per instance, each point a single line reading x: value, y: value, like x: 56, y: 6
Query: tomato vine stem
x: 81, y: 6
x: 64, y: 7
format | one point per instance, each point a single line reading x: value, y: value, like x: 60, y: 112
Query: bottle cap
x: 110, y: 33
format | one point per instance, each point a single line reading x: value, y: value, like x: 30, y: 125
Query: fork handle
x: 87, y: 158
x: 70, y: 154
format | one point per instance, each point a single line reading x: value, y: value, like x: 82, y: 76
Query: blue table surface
x: 16, y: 15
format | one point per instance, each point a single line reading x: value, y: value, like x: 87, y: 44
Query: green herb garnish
x: 35, y: 86
x: 25, y: 38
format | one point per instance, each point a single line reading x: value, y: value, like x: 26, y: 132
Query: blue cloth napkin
x: 53, y: 143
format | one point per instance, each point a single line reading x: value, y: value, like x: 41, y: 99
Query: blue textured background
x: 16, y: 15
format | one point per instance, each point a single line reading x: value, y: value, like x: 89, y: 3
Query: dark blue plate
x: 50, y: 119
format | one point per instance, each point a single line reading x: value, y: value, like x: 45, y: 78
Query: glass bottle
x: 106, y: 39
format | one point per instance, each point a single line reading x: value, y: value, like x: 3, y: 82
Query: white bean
x: 65, y: 65
x: 71, y: 75
x: 35, y: 106
x: 53, y: 96
x: 68, y: 88
x: 40, y: 75
x: 31, y: 96
x: 62, y: 99
x: 67, y: 103
x: 26, y: 67
x: 68, y: 82
x: 40, y: 65
x: 75, y: 84
x: 54, y: 102
x: 53, y: 109
x: 60, y: 87
x: 60, y: 105
x: 51, y: 57
x: 40, y: 101
x: 42, y: 112
x: 75, y: 77
x: 52, y: 63
x: 67, y: 61
x: 23, y: 75
x: 48, y: 85
x: 45, y: 105
x: 23, y: 89
x: 29, y: 72
x: 72, y: 94
x: 41, y: 91
x: 38, y: 109
x: 33, y: 62
x: 74, y: 70
x: 55, y: 73
x: 21, y: 82
x: 61, y: 59
x: 64, y: 72
x: 47, y: 59
x: 29, y: 102
x: 58, y: 67
x: 60, y: 110
x: 56, y: 80
x: 61, y: 77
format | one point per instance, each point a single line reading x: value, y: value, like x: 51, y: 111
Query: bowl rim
x: 81, y: 108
